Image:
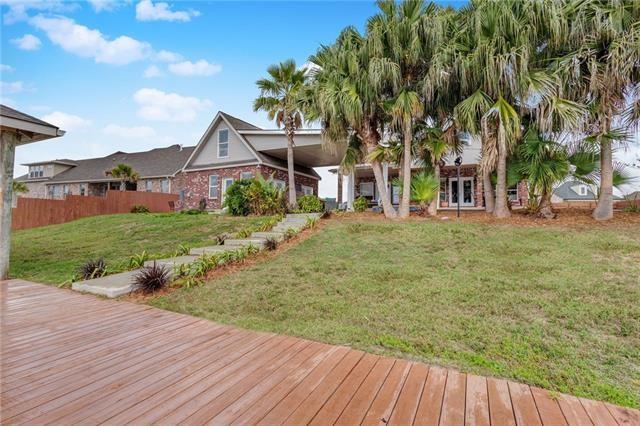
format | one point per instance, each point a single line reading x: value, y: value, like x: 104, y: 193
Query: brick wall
x: 193, y: 186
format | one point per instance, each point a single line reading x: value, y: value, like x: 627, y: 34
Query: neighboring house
x: 156, y: 169
x: 573, y: 191
x: 470, y: 185
x: 233, y: 149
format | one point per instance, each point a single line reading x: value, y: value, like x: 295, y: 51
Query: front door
x: 226, y: 183
x: 466, y: 188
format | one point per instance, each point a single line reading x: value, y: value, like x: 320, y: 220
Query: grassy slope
x: 51, y: 254
x: 555, y: 308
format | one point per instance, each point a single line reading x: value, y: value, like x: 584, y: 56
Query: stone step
x: 282, y: 227
x: 279, y: 236
x: 113, y: 285
x: 303, y: 215
x: 172, y: 262
x: 207, y: 250
x: 244, y: 242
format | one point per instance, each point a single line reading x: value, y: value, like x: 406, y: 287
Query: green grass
x: 554, y: 307
x: 51, y: 254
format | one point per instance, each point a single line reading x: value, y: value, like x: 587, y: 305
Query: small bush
x: 151, y: 278
x: 139, y: 208
x: 92, y: 269
x: 311, y: 222
x: 244, y: 233
x: 310, y: 204
x: 271, y: 243
x: 360, y: 204
x: 182, y: 250
x: 290, y: 233
x: 137, y: 260
x: 236, y: 198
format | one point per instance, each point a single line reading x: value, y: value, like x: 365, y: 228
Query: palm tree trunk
x: 123, y: 185
x: 7, y: 157
x: 501, y: 208
x: 387, y: 207
x: 545, y: 209
x: 433, y: 205
x: 604, y: 208
x: 489, y: 196
x: 292, y: 176
x: 406, y: 174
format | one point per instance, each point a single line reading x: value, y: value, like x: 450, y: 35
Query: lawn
x: 557, y: 307
x: 51, y: 254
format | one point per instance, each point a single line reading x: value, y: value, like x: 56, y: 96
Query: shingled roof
x: 6, y: 111
x: 159, y: 162
x: 239, y: 124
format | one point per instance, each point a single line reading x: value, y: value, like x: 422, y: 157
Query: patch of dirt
x: 566, y: 217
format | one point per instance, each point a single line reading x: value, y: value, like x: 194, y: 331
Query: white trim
x: 310, y: 188
x: 223, y: 187
x: 461, y: 190
x: 217, y: 185
x: 221, y: 166
x: 280, y: 131
x: 295, y: 172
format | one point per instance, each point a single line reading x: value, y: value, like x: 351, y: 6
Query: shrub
x: 236, y: 198
x: 244, y: 233
x: 311, y: 222
x: 92, y: 269
x: 310, y: 204
x: 182, y: 250
x: 290, y: 233
x: 137, y: 260
x: 151, y: 278
x: 271, y: 243
x: 360, y: 204
x: 139, y: 208
x: 265, y: 198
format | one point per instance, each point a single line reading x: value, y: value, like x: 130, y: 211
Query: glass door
x: 466, y: 187
x: 226, y: 183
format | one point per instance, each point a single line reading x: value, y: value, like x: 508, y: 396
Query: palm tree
x: 425, y: 187
x: 280, y: 98
x: 346, y: 95
x: 599, y: 67
x: 125, y: 173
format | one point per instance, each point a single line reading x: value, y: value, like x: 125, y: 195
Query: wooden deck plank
x: 500, y: 408
x: 69, y: 358
x: 428, y: 413
x: 477, y: 401
x: 453, y: 403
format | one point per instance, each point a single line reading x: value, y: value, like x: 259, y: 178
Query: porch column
x: 339, y: 198
x: 351, y: 190
x: 8, y: 143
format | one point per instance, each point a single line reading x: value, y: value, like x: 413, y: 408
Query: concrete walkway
x: 115, y: 285
x: 69, y: 359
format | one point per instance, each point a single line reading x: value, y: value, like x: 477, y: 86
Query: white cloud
x: 68, y: 122
x: 5, y: 68
x: 17, y: 9
x: 199, y: 68
x: 7, y: 88
x: 152, y: 71
x: 105, y: 5
x: 167, y: 56
x: 135, y: 132
x: 27, y: 42
x: 146, y: 10
x: 88, y: 43
x: 156, y: 105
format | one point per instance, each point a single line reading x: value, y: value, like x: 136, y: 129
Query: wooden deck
x: 74, y: 359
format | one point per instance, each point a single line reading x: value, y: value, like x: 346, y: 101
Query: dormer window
x: 582, y: 190
x: 36, y: 172
x: 223, y: 143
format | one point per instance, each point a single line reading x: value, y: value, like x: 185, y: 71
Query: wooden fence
x: 34, y: 212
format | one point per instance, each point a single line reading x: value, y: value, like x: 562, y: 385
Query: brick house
x: 233, y: 149
x: 156, y: 169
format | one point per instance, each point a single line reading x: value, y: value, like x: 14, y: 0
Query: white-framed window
x: 83, y: 189
x: 65, y: 189
x: 582, y: 190
x: 246, y: 175
x: 223, y: 143
x: 279, y: 183
x: 164, y: 185
x: 307, y: 190
x: 213, y: 186
x: 366, y: 189
x: 36, y: 171
x: 148, y: 185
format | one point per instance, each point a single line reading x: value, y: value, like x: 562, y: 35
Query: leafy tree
x: 124, y: 173
x: 280, y: 97
x: 20, y: 187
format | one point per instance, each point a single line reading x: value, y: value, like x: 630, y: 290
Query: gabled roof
x: 159, y: 162
x: 63, y: 161
x: 6, y: 111
x: 566, y: 191
x: 237, y: 123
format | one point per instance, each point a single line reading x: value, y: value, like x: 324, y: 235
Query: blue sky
x: 134, y: 75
